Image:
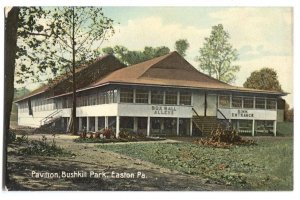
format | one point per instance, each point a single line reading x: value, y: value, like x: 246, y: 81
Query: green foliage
x: 285, y: 128
x: 43, y: 148
x: 133, y: 57
x: 264, y: 79
x: 11, y: 137
x: 46, y: 39
x: 217, y: 54
x: 266, y: 166
x: 181, y: 46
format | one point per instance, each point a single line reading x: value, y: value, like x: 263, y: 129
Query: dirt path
x: 89, y: 158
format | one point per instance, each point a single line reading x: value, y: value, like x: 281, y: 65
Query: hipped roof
x: 169, y: 70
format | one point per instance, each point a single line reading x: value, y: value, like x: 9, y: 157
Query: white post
x: 106, y: 122
x: 253, y: 127
x: 177, y: 126
x: 96, y: 124
x: 135, y: 124
x: 117, y: 126
x: 191, y: 127
x: 148, y: 126
x: 275, y: 128
x: 87, y: 124
x: 80, y: 123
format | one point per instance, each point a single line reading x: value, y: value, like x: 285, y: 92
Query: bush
x: 108, y: 133
x: 224, y: 138
x: 11, y: 136
x: 43, y: 148
x: 22, y: 139
x: 130, y: 134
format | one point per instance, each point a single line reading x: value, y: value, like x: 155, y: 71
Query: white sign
x: 163, y: 110
x: 242, y: 114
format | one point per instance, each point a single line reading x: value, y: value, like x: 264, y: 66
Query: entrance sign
x: 242, y: 113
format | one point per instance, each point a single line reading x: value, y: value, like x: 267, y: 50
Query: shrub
x: 108, y: 133
x: 22, y: 139
x: 97, y: 135
x: 91, y: 135
x: 43, y: 148
x: 11, y: 136
x: 224, y: 138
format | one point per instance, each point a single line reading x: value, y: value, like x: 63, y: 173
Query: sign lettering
x: 164, y: 110
x: 242, y: 113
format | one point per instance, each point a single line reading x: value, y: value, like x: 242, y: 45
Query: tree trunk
x: 11, y: 27
x: 74, y: 76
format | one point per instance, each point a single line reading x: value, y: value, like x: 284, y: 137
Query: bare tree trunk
x: 74, y: 76
x: 11, y: 27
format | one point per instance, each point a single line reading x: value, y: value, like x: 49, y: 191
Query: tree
x: 79, y: 33
x: 11, y: 27
x: 181, y: 46
x: 264, y: 79
x: 133, y: 57
x: 217, y: 55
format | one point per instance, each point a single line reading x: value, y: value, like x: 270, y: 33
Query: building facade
x: 162, y: 96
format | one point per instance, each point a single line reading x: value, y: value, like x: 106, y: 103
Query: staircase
x: 48, y: 124
x: 50, y: 118
x: 205, y: 124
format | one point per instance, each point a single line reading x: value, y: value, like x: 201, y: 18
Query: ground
x: 173, y: 164
x: 89, y: 157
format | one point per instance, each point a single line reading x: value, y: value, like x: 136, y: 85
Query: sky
x: 262, y: 35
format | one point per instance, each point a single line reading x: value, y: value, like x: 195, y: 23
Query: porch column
x: 106, y: 122
x: 275, y: 127
x: 253, y: 127
x: 96, y: 124
x: 135, y: 124
x: 80, y: 124
x: 191, y: 127
x: 177, y: 126
x: 148, y: 126
x: 117, y: 126
x: 87, y: 124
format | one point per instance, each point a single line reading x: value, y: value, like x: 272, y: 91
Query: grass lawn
x: 266, y: 166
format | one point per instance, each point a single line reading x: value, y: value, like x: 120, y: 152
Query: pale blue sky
x: 262, y: 35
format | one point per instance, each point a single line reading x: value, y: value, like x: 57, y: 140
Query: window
x: 141, y: 96
x: 224, y: 101
x: 248, y: 102
x: 110, y: 96
x: 271, y: 104
x: 185, y: 98
x: 237, y: 102
x: 260, y: 103
x: 171, y: 98
x: 101, y: 98
x: 126, y: 96
x: 157, y: 97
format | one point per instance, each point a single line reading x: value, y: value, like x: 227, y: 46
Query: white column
x: 134, y: 95
x: 148, y: 126
x: 117, y: 126
x: 275, y: 127
x: 106, y: 122
x: 178, y: 98
x: 191, y: 127
x: 96, y: 124
x: 135, y: 124
x: 80, y: 124
x: 253, y: 127
x: 87, y: 124
x: 177, y: 126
